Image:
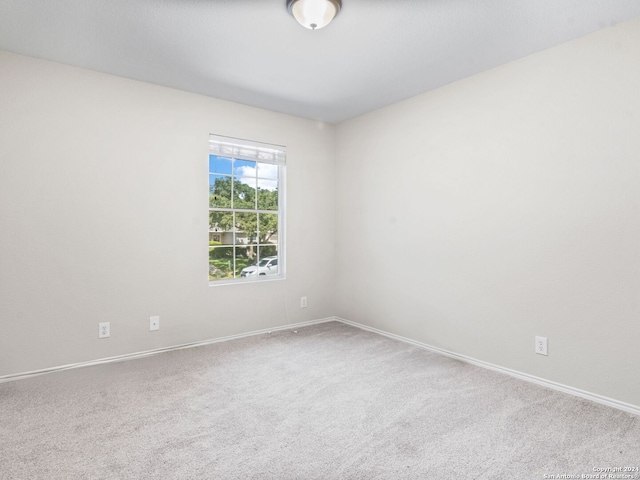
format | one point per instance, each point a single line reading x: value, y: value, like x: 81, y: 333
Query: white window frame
x: 241, y: 149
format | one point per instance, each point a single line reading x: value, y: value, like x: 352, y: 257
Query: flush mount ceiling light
x: 314, y: 14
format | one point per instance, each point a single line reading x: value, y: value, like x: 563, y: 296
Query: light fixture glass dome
x: 314, y: 14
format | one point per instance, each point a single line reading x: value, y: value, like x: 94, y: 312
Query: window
x: 246, y: 210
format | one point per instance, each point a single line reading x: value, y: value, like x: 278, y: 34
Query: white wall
x: 471, y: 218
x: 505, y: 206
x: 103, y: 216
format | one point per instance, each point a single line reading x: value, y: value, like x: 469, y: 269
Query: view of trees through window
x: 243, y: 218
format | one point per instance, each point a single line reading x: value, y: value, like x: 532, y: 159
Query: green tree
x: 260, y: 227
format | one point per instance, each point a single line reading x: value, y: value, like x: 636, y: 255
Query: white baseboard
x: 131, y: 356
x: 594, y: 397
x: 610, y: 402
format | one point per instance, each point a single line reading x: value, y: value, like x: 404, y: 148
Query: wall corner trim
x: 610, y: 402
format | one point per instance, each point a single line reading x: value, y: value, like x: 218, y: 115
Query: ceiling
x: 376, y: 52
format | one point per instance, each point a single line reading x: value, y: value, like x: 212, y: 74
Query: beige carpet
x: 328, y: 402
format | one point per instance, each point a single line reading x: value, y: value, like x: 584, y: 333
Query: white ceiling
x: 376, y: 52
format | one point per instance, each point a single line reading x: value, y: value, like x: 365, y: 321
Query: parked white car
x: 266, y: 266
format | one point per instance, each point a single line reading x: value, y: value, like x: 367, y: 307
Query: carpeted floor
x: 328, y: 402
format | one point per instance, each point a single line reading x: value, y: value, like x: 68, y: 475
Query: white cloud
x: 266, y: 170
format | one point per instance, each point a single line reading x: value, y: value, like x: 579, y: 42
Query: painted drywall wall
x: 474, y: 217
x: 103, y: 217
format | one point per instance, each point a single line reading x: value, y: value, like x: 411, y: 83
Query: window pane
x: 220, y: 225
x: 267, y: 194
x: 246, y: 228
x: 220, y: 263
x: 268, y: 251
x: 244, y: 193
x: 266, y: 170
x: 219, y: 191
x: 244, y: 168
x: 268, y: 260
x: 245, y: 256
x: 268, y: 232
x: 219, y: 164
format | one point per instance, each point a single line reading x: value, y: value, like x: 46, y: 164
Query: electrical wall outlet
x: 541, y: 345
x: 154, y: 323
x: 303, y: 302
x: 104, y: 329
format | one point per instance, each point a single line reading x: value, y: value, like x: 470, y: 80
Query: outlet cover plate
x: 154, y: 323
x: 104, y: 329
x: 541, y: 345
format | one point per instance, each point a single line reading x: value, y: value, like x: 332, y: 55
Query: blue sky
x: 245, y: 171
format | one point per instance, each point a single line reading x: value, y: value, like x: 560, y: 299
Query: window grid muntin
x: 259, y: 246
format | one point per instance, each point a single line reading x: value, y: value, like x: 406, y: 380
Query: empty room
x: 319, y: 239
